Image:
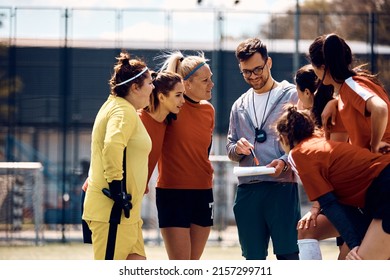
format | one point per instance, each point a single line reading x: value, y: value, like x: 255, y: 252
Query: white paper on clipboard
x: 252, y: 170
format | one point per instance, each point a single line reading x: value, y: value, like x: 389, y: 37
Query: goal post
x: 21, y: 202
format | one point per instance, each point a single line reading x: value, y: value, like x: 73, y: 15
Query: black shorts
x: 359, y: 217
x: 181, y: 208
x: 378, y: 199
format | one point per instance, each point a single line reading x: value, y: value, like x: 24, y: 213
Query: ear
x: 323, y: 67
x: 187, y: 84
x: 160, y: 97
x: 307, y: 92
x: 269, y: 62
x: 282, y: 139
x: 284, y: 143
x: 134, y: 87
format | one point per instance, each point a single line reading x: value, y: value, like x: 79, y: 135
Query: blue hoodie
x: 241, y: 125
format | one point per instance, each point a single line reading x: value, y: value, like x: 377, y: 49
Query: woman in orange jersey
x: 314, y: 95
x: 313, y: 226
x: 184, y: 187
x: 362, y: 101
x: 166, y: 100
x: 337, y: 174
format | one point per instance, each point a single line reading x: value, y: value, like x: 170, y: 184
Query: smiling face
x: 200, y: 85
x: 174, y: 100
x: 257, y: 82
x: 144, y: 92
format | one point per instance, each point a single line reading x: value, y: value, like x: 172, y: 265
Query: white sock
x: 309, y: 249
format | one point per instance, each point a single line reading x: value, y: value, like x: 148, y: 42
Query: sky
x: 199, y: 25
x: 266, y: 5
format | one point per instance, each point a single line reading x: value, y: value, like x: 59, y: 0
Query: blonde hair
x: 183, y: 65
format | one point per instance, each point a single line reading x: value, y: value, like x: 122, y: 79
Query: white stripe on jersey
x: 362, y: 92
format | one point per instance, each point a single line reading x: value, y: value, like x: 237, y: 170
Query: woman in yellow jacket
x: 119, y: 164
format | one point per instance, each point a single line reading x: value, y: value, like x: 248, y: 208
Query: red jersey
x: 156, y: 131
x: 344, y: 169
x: 185, y: 163
x: 339, y: 126
x: 353, y: 96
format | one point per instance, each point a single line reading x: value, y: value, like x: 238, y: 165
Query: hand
x: 328, y: 115
x: 279, y: 165
x: 85, y: 185
x: 121, y: 198
x: 353, y: 254
x: 243, y: 147
x: 308, y: 218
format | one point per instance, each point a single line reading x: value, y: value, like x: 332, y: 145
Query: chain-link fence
x: 55, y: 64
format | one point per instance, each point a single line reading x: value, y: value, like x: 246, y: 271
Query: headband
x: 132, y: 78
x: 194, y: 70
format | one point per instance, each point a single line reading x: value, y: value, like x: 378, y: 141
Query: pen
x: 254, y: 157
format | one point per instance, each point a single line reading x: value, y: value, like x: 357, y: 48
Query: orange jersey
x: 353, y: 96
x: 339, y: 126
x: 185, y: 163
x: 156, y: 131
x: 344, y: 169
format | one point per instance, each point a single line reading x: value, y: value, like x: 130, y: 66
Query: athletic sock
x: 309, y: 249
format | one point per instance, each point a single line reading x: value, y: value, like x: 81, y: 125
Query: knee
x: 307, y: 234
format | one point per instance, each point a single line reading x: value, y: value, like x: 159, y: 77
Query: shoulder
x: 362, y: 86
x: 242, y: 98
x: 367, y: 82
x: 356, y: 81
x: 120, y: 106
x: 288, y: 91
x: 144, y: 116
x: 206, y: 103
x: 288, y: 87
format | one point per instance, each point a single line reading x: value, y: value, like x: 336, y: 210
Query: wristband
x: 285, y: 168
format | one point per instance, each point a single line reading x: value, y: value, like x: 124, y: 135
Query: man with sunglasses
x: 266, y: 206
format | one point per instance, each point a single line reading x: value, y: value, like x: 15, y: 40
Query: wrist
x: 318, y: 209
x: 285, y: 168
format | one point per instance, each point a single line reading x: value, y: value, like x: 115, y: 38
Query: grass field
x: 80, y: 251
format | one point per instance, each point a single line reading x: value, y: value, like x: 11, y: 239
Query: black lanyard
x: 263, y: 120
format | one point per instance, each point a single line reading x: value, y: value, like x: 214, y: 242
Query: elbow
x: 378, y: 107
